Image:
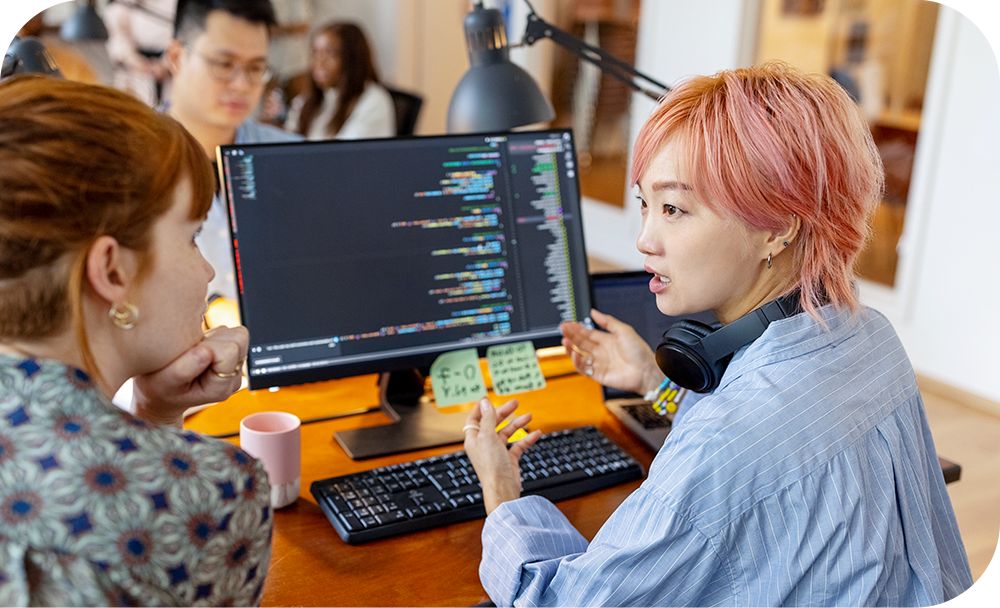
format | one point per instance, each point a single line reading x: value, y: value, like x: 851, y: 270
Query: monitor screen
x: 374, y: 255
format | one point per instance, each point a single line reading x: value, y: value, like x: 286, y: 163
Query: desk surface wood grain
x: 311, y: 566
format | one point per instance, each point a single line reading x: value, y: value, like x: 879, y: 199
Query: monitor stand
x: 417, y: 423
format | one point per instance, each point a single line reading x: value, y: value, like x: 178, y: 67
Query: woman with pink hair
x: 804, y: 473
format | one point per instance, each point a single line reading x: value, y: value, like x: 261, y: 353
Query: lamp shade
x: 494, y: 94
x: 496, y: 97
x: 28, y: 56
x: 84, y: 24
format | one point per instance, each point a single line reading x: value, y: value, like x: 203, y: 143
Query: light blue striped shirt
x: 809, y: 477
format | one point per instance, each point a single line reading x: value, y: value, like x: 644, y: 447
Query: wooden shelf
x: 908, y: 120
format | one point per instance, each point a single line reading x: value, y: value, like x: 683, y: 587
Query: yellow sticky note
x: 457, y: 378
x: 514, y: 368
x: 518, y: 434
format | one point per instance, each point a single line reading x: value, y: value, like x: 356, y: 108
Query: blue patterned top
x: 809, y: 477
x: 98, y: 507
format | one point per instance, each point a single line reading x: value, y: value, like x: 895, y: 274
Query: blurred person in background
x: 218, y: 64
x: 138, y: 34
x: 343, y: 98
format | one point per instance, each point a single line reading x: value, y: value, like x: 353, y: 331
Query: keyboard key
x: 350, y: 521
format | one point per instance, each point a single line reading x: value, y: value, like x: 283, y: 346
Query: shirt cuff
x: 518, y: 533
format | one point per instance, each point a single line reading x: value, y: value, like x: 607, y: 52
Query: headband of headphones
x: 694, y: 355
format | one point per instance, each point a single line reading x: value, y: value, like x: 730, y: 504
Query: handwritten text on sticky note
x: 456, y: 378
x: 514, y: 368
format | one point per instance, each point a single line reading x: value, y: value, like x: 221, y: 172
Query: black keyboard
x: 442, y: 490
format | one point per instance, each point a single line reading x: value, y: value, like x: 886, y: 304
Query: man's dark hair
x: 191, y: 14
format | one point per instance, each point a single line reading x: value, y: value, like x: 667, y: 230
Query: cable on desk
x: 362, y: 410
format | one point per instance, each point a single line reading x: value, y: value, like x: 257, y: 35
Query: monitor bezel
x: 392, y: 363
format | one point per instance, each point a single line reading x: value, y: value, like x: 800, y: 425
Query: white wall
x: 947, y: 305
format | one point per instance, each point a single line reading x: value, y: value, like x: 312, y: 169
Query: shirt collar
x: 793, y: 337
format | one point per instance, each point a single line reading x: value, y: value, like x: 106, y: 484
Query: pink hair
x: 769, y: 142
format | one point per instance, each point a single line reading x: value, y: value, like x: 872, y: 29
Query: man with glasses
x: 218, y: 60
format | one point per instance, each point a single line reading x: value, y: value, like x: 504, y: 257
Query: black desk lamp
x: 84, y: 24
x: 493, y: 94
x: 28, y: 56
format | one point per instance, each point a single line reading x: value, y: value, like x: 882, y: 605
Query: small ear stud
x: 784, y: 243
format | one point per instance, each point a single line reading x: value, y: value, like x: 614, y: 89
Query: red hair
x: 78, y: 162
x: 767, y: 143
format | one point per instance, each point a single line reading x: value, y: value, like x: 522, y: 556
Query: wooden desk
x: 310, y: 565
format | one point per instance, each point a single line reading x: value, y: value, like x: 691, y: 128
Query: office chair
x: 407, y: 106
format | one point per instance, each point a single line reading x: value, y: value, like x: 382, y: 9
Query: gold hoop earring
x: 769, y: 260
x: 124, y: 315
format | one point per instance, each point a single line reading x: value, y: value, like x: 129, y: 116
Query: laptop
x: 626, y: 296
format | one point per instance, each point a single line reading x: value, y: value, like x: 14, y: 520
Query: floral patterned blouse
x: 98, y: 507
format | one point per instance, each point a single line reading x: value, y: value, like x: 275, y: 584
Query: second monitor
x: 370, y: 256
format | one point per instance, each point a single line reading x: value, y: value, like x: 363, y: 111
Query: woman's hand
x: 617, y: 357
x: 209, y: 371
x: 496, y: 465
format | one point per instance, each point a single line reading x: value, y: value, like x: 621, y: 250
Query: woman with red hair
x: 805, y: 474
x: 101, y: 280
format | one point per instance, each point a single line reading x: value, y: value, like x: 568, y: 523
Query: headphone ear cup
x: 681, y: 356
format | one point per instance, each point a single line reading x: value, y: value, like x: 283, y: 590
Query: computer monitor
x: 364, y: 256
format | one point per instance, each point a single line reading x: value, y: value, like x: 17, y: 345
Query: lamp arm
x: 538, y: 28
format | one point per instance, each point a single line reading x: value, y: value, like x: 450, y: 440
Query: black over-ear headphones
x: 694, y: 355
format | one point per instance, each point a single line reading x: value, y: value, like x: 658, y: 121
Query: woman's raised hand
x: 497, y: 466
x: 616, y: 357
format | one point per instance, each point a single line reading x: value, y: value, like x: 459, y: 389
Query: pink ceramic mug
x: 275, y: 439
